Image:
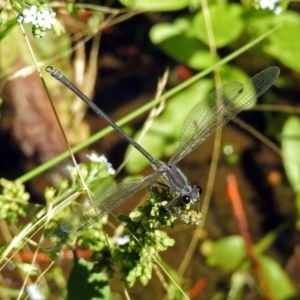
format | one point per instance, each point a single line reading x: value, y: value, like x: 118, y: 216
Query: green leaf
x: 227, y: 24
x: 282, y: 43
x: 6, y: 30
x: 285, y: 47
x: 83, y: 284
x: 162, y: 137
x: 176, y: 41
x: 227, y: 253
x: 290, y: 144
x: 156, y: 5
x: 278, y: 283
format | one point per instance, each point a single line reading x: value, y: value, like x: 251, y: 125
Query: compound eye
x: 199, y: 188
x: 186, y: 199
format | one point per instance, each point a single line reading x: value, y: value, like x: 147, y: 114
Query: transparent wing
x: 93, y: 210
x: 219, y: 108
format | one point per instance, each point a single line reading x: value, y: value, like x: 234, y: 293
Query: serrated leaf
x: 156, y: 5
x: 227, y: 24
x: 278, y: 283
x: 290, y: 144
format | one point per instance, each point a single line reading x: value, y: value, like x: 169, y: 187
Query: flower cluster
x: 271, y: 5
x: 145, y: 239
x: 41, y: 19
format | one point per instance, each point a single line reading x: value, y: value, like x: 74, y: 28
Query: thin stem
x: 258, y: 135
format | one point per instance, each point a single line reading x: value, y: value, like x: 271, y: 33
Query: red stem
x: 240, y: 216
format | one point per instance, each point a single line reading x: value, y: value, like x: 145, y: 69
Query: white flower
x: 110, y: 169
x: 34, y: 292
x: 102, y: 159
x: 30, y: 15
x: 270, y: 4
x: 52, y: 15
x: 94, y: 157
x: 122, y: 240
x: 46, y: 18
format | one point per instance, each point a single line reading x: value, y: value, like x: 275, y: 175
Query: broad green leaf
x: 261, y: 21
x: 227, y: 24
x: 83, y: 284
x: 155, y: 5
x: 282, y: 43
x: 161, y: 138
x: 278, y: 283
x: 200, y: 60
x: 176, y: 41
x: 227, y: 253
x: 290, y: 144
x: 285, y: 47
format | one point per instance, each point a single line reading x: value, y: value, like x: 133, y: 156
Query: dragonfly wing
x: 93, y: 210
x: 220, y: 107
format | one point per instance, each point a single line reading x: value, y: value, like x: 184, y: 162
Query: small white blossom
x: 267, y: 4
x: 51, y: 17
x: 34, y: 292
x: 110, y: 169
x: 71, y: 168
x: 30, y: 15
x: 40, y: 19
x: 102, y: 159
x: 46, y: 18
x: 94, y: 157
x: 122, y: 240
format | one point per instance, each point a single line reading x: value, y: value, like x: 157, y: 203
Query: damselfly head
x: 193, y: 196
